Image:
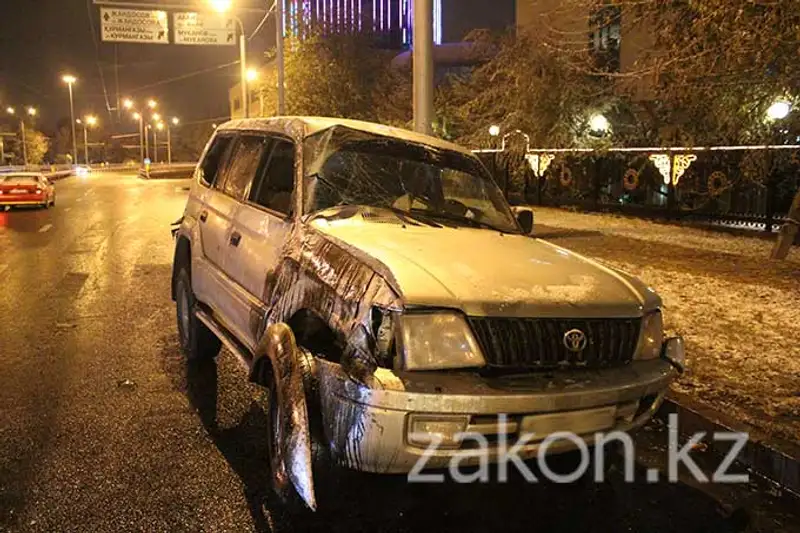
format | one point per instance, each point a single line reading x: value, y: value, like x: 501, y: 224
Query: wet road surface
x: 104, y: 427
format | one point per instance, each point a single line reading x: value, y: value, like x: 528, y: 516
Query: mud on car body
x: 378, y: 284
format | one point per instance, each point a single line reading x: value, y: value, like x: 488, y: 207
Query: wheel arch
x: 183, y: 256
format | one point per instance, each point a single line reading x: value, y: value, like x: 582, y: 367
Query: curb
x: 768, y: 457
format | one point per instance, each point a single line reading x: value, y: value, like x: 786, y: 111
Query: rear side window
x: 273, y: 188
x: 214, y: 160
x: 243, y: 164
x: 20, y: 180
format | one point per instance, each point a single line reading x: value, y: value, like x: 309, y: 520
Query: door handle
x: 236, y: 237
x: 203, y: 216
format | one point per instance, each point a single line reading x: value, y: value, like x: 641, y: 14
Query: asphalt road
x: 103, y: 427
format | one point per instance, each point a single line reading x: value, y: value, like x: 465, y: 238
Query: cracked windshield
x: 399, y: 266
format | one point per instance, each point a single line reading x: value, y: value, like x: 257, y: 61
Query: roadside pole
x: 788, y: 232
x: 24, y: 146
x: 423, y: 66
x: 169, y: 145
x: 243, y: 64
x: 279, y: 55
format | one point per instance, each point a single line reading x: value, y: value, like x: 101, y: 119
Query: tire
x: 322, y: 467
x: 196, y: 340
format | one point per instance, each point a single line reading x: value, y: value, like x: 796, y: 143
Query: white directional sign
x: 200, y: 28
x: 134, y: 26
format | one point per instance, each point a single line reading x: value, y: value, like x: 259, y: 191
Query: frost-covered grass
x: 738, y: 311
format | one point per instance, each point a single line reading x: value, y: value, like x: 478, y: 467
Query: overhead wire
x: 97, y: 54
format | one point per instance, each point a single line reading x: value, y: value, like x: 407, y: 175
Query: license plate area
x: 19, y: 191
x: 579, y: 422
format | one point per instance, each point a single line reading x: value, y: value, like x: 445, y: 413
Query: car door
x: 205, y: 207
x: 261, y: 227
x: 246, y: 157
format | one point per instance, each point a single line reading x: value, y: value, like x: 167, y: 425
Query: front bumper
x: 368, y: 427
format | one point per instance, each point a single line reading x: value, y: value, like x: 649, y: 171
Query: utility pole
x: 86, y: 144
x: 169, y: 146
x: 24, y: 144
x: 155, y: 145
x: 279, y: 55
x: 423, y: 65
x: 243, y: 64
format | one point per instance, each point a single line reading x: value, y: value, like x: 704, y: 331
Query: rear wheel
x: 197, y: 341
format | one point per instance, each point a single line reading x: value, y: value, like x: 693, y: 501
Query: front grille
x: 538, y: 343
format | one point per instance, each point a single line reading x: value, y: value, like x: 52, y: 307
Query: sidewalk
x: 738, y: 311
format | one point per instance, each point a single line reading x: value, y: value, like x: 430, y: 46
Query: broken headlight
x: 651, y: 337
x: 438, y: 341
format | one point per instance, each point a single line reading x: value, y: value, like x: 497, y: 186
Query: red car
x: 26, y: 188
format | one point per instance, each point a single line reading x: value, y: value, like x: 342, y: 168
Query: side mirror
x: 525, y: 219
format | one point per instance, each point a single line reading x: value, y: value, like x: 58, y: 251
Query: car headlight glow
x: 439, y: 341
x: 651, y: 336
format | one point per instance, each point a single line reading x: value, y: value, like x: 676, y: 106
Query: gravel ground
x: 738, y: 311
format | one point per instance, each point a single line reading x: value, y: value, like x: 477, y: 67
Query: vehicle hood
x: 488, y: 273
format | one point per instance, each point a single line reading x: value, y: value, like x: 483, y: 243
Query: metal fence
x: 744, y: 186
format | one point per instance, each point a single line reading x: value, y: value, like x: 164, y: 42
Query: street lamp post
x: 32, y: 112
x: 138, y: 116
x: 147, y: 141
x: 70, y: 81
x: 87, y: 122
x: 224, y: 6
x: 175, y: 121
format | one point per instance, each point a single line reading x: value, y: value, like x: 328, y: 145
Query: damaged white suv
x: 377, y: 282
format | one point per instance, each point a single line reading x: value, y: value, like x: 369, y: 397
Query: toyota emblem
x: 575, y: 340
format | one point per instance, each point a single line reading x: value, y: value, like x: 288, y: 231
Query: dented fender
x: 278, y: 345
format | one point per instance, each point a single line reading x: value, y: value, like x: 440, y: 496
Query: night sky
x: 42, y: 39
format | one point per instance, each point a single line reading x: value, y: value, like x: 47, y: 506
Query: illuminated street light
x: 152, y: 104
x: 127, y: 103
x: 175, y: 121
x: 156, y: 117
x: 599, y: 124
x: 252, y: 74
x: 160, y: 126
x: 32, y: 111
x: 70, y: 80
x: 221, y: 6
x: 494, y: 130
x: 779, y: 110
x: 10, y: 110
x: 91, y: 120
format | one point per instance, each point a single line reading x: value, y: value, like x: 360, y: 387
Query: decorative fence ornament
x: 566, y: 176
x: 539, y: 163
x: 664, y: 165
x: 672, y: 168
x: 679, y: 166
x: 717, y: 183
x: 630, y: 181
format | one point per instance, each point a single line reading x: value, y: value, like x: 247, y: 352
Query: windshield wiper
x: 457, y: 218
x: 404, y: 215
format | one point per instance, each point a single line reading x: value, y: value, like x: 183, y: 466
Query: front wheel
x: 322, y: 467
x: 197, y: 341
